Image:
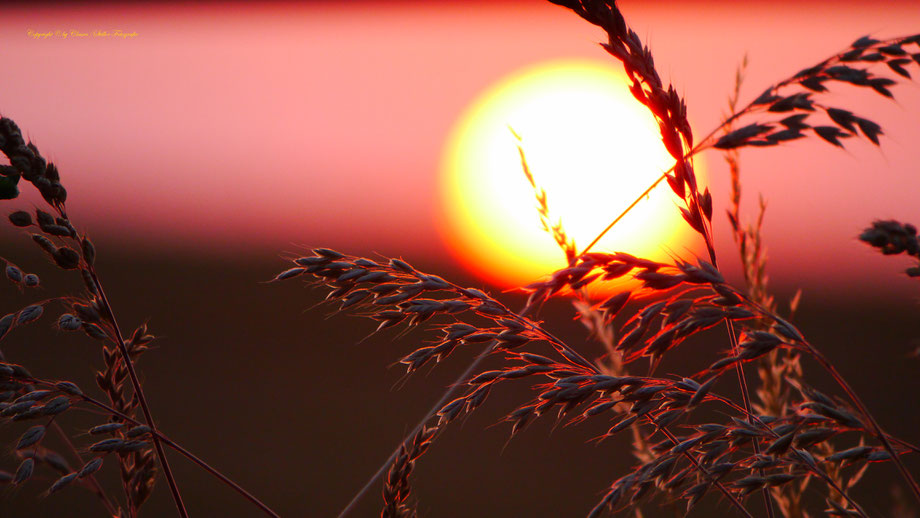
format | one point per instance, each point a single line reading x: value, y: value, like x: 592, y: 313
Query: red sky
x: 255, y: 129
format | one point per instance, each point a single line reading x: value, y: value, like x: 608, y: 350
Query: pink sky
x: 255, y: 129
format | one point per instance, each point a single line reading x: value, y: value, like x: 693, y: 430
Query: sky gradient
x: 251, y: 130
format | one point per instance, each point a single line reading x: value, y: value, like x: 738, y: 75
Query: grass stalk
x: 139, y: 391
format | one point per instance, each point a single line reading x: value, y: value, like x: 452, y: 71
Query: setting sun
x: 588, y: 144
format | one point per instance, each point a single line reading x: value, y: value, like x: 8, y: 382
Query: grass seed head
x: 24, y: 472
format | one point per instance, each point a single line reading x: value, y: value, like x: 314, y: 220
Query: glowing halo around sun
x: 589, y: 144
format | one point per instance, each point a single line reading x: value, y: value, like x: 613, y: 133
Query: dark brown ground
x: 286, y: 402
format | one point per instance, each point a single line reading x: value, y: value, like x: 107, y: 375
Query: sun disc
x: 589, y: 145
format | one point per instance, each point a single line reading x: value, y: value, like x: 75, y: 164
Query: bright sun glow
x: 588, y: 143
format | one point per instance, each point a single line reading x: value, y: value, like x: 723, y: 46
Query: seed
x: 15, y: 408
x: 21, y: 218
x: 90, y: 467
x: 57, y: 230
x: 311, y: 261
x: 107, y: 445
x: 614, y: 304
x: 35, y: 395
x: 105, y: 428
x: 88, y: 281
x: 66, y: 258
x: 850, y: 454
x: 61, y: 483
x: 401, y: 266
x: 94, y: 331
x: 780, y: 445
x: 44, y: 243
x: 24, y: 472
x: 89, y: 251
x: 30, y: 437
x: 56, y: 406
x: 327, y: 253
x: 485, y: 377
x: 29, y: 314
x: 6, y: 323
x: 129, y: 446
x: 622, y: 425
x: 43, y: 218
x: 68, y: 322
x: 14, y: 274
x: 536, y: 359
x: 55, y: 461
x: 31, y: 413
x: 137, y: 431
x: 287, y: 274
x: 69, y: 388
x: 86, y: 312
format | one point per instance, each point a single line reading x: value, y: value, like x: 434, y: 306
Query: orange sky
x: 254, y: 129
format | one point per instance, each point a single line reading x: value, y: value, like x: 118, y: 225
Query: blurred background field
x: 290, y: 405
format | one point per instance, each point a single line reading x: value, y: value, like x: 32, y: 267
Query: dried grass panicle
x: 36, y: 403
x: 637, y: 60
x: 702, y: 314
x: 27, y: 163
x: 893, y: 238
x: 792, y: 436
x: 396, y: 490
x: 570, y: 384
x: 394, y: 293
x: 780, y: 370
x: 139, y: 451
x: 670, y: 111
x: 574, y: 380
x: 23, y: 401
x: 557, y: 229
x: 794, y: 98
x: 93, y: 313
x: 665, y: 104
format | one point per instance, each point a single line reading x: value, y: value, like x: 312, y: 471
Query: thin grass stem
x: 172, y: 444
x: 882, y: 436
x: 451, y: 390
x: 139, y: 391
